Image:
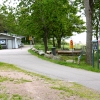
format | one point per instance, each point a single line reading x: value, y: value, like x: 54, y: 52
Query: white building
x: 10, y: 41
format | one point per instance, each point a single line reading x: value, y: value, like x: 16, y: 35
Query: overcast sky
x: 1, y: 1
x: 11, y: 2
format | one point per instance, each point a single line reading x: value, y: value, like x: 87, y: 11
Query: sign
x: 71, y: 44
x: 99, y: 41
x: 30, y: 37
x: 95, y: 45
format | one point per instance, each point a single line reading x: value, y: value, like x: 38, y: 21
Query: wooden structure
x: 69, y: 52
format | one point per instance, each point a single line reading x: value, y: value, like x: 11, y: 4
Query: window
x: 3, y: 41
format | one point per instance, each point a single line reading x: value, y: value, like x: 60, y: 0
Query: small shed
x: 10, y: 41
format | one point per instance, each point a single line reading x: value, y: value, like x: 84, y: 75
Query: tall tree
x: 48, y: 18
x: 96, y: 19
x: 92, y: 13
x: 89, y: 14
x: 58, y: 18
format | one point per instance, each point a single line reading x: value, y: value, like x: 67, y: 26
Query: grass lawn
x: 62, y: 90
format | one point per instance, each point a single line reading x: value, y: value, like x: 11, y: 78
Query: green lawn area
x: 66, y: 89
x: 82, y: 64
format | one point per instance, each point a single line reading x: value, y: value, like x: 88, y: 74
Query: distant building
x: 10, y: 41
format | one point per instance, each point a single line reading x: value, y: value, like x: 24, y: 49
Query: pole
x: 97, y: 55
x: 30, y: 44
x: 73, y: 54
x: 93, y: 58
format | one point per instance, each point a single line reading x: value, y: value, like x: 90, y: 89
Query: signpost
x: 30, y: 38
x: 95, y: 48
x: 71, y: 46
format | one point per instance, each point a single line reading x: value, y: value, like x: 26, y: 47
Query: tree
x: 96, y: 19
x: 92, y: 13
x: 8, y: 19
x: 89, y: 15
x: 56, y: 19
x: 2, y: 19
x: 2, y: 26
x: 48, y: 18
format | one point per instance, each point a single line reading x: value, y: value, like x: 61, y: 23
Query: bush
x: 0, y: 46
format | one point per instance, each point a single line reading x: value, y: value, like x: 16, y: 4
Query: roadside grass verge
x: 2, y: 79
x: 77, y: 90
x: 68, y: 89
x: 82, y: 65
x: 6, y: 66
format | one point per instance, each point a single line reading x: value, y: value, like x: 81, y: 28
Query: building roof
x: 11, y: 35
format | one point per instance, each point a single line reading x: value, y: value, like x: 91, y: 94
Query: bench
x: 68, y: 52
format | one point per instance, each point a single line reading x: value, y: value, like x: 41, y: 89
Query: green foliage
x: 2, y: 25
x: 3, y: 96
x: 8, y: 19
x: 0, y: 46
x: 2, y: 79
x: 96, y: 18
x: 95, y: 13
x: 43, y: 19
x: 59, y: 22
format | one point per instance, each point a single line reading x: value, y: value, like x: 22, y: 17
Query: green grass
x: 11, y: 67
x: 41, y: 47
x: 6, y: 66
x: 16, y: 81
x: 2, y: 79
x: 82, y: 64
x: 3, y: 96
x: 19, y: 81
x: 66, y: 88
x: 74, y: 90
x: 16, y: 97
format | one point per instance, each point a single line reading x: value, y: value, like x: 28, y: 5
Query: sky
x: 11, y: 2
x: 78, y: 38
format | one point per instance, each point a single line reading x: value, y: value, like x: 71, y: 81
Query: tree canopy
x: 52, y: 18
x: 44, y: 19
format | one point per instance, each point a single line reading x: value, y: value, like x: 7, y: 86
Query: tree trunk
x: 97, y: 29
x: 88, y: 12
x: 59, y: 43
x: 45, y: 39
x: 53, y: 42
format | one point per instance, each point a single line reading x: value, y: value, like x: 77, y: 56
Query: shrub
x: 0, y: 46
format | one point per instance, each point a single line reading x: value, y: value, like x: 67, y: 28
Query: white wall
x: 15, y: 41
x: 19, y: 42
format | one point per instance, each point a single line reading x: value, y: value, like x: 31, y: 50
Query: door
x: 10, y: 44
